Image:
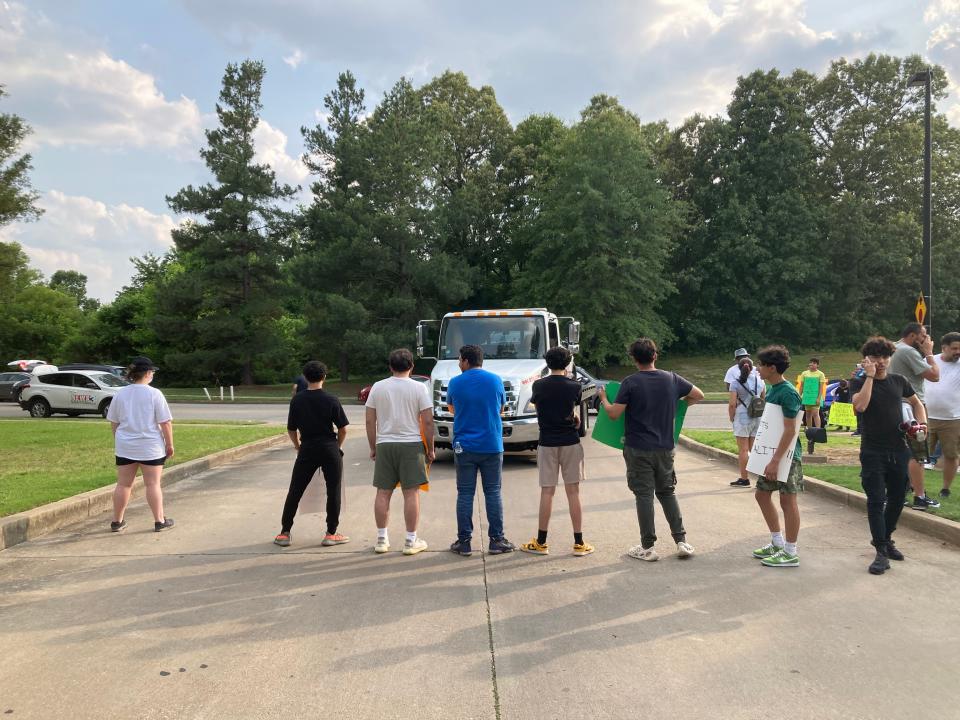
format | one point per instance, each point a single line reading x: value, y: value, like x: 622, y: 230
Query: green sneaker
x: 781, y: 559
x: 768, y: 550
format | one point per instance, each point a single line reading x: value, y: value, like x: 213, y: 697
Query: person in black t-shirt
x: 884, y: 454
x: 559, y: 452
x: 310, y: 423
x: 649, y: 399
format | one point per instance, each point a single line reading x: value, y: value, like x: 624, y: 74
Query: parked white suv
x: 74, y: 392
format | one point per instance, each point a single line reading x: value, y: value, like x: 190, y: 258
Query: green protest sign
x: 842, y: 415
x: 811, y: 391
x: 611, y: 432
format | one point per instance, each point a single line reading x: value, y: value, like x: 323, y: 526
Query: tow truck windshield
x: 502, y: 338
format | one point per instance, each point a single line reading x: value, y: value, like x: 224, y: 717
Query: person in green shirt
x: 812, y: 411
x: 781, y: 551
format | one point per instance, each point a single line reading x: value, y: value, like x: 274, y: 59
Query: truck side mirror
x: 573, y: 337
x: 421, y: 339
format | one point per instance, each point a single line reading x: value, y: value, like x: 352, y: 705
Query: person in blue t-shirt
x: 476, y: 398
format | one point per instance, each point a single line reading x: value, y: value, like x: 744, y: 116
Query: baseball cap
x: 143, y: 363
x: 739, y: 353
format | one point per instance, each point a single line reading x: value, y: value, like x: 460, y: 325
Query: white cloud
x: 83, y: 234
x: 943, y: 48
x: 295, y: 59
x: 271, y: 148
x: 76, y: 95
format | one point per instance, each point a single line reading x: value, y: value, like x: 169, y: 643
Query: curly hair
x: 776, y: 355
x: 877, y: 346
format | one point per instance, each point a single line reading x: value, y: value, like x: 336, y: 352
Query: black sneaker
x: 499, y: 545
x: 880, y: 564
x: 165, y: 525
x: 922, y: 502
x: 945, y: 493
x: 856, y: 433
x: 118, y: 526
x: 892, y: 551
x: 461, y: 547
x: 740, y: 482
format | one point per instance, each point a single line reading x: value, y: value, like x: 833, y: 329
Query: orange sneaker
x: 335, y: 539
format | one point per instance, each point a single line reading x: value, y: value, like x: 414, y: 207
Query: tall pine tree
x: 231, y: 283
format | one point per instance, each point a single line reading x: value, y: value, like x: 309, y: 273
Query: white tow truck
x: 514, y: 342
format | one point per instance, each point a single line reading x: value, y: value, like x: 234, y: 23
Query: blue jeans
x: 490, y: 466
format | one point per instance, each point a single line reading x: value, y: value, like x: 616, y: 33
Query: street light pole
x: 924, y: 78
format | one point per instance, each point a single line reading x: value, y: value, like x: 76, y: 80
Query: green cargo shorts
x: 793, y: 485
x: 400, y: 462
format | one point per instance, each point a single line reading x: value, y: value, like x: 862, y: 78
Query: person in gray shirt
x: 913, y: 359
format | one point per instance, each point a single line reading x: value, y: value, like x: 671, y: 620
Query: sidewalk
x: 211, y: 620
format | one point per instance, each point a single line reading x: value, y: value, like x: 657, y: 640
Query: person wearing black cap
x: 143, y: 438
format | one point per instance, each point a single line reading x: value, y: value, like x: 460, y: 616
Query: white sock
x: 411, y: 537
x: 790, y: 548
x: 777, y: 539
x: 381, y: 534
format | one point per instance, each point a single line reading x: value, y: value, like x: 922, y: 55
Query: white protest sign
x: 768, y: 438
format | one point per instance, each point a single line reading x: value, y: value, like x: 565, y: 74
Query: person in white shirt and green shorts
x: 781, y: 551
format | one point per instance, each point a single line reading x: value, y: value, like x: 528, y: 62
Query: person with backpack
x: 747, y: 393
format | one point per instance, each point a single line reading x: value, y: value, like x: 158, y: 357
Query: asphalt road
x: 699, y: 416
x: 211, y: 620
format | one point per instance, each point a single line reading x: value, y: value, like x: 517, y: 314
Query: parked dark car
x: 117, y: 370
x: 586, y: 379
x: 10, y: 383
x: 365, y: 391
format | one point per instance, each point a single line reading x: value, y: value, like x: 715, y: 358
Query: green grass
x: 46, y: 460
x: 253, y: 394
x: 847, y: 476
x: 706, y: 372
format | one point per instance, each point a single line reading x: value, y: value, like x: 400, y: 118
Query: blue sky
x: 118, y: 93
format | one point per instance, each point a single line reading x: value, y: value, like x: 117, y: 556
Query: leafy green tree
x: 604, y: 230
x: 371, y: 255
x: 466, y: 139
x: 15, y: 271
x: 229, y: 290
x: 748, y: 270
x: 867, y: 125
x: 17, y: 197
x: 74, y: 284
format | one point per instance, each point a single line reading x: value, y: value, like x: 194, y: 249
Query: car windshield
x: 108, y: 380
x: 502, y: 338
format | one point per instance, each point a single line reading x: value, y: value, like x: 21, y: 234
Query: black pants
x: 327, y: 458
x: 883, y: 474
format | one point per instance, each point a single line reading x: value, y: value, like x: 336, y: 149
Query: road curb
x: 29, y: 524
x: 937, y: 527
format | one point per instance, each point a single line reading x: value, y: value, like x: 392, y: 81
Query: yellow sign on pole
x: 920, y: 311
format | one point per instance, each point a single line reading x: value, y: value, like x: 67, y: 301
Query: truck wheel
x: 584, y: 419
x: 104, y: 407
x: 39, y: 408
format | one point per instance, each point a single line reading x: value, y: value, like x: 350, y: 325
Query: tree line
x: 794, y: 216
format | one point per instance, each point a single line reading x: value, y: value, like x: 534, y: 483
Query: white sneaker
x: 640, y: 553
x: 382, y: 546
x: 929, y: 466
x: 418, y: 545
x: 684, y: 550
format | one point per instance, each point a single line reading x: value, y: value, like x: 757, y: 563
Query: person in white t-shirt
x: 733, y: 372
x: 943, y: 408
x: 143, y: 438
x: 399, y: 420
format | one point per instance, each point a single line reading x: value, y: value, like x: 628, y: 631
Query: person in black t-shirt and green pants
x: 310, y: 423
x: 559, y: 451
x: 649, y: 398
x: 884, y: 454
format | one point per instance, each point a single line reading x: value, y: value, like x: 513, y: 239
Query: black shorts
x: 128, y: 461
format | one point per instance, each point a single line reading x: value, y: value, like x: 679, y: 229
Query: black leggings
x: 327, y: 458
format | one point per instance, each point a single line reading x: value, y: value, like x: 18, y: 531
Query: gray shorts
x: 554, y: 461
x: 403, y: 463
